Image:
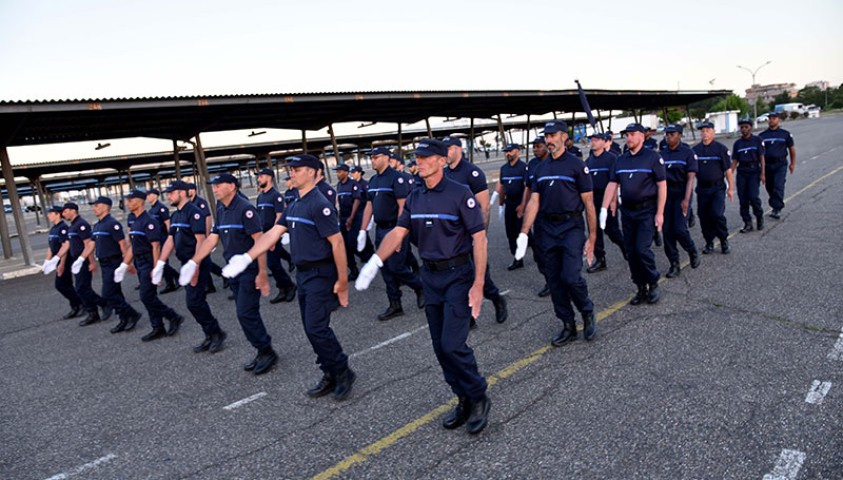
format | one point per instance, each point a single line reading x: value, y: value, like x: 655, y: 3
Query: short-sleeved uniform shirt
x: 202, y: 204
x: 269, y: 203
x: 599, y: 167
x: 160, y: 213
x: 78, y: 231
x: 776, y: 143
x: 107, y: 234
x: 57, y: 236
x: 441, y: 220
x: 144, y: 231
x: 615, y: 148
x: 638, y: 175
x: 532, y: 165
x: 677, y: 164
x: 575, y: 151
x: 468, y: 174
x: 385, y: 189
x: 310, y: 220
x: 651, y: 143
x: 559, y: 182
x: 236, y: 223
x: 514, y: 181
x: 185, y: 223
x: 347, y: 193
x: 714, y: 159
x: 327, y: 191
x: 290, y: 196
x: 747, y: 152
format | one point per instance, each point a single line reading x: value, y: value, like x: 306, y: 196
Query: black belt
x: 440, y: 265
x: 639, y: 206
x: 713, y: 183
x: 308, y: 266
x: 386, y: 225
x: 560, y: 217
x: 771, y: 160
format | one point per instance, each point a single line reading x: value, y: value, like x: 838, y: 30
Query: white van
x: 792, y: 107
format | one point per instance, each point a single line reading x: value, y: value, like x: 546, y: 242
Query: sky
x: 98, y: 49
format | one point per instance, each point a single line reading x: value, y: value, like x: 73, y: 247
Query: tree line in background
x: 827, y: 100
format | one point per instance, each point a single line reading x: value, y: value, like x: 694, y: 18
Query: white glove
x: 371, y: 224
x: 50, y: 265
x: 361, y: 240
x: 521, y: 245
x: 186, y: 273
x: 77, y: 265
x: 368, y: 273
x: 604, y: 214
x: 285, y: 238
x: 501, y: 210
x: 120, y: 272
x: 158, y: 273
x: 494, y: 198
x: 236, y: 265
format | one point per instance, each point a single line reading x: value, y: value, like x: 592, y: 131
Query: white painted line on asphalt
x: 790, y: 461
x: 837, y: 351
x: 240, y: 403
x: 817, y: 392
x: 388, y: 342
x: 503, y: 292
x: 83, y: 468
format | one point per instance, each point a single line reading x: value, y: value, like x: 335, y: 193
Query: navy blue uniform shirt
x: 559, y: 182
x: 532, y: 165
x: 77, y: 233
x: 384, y: 191
x: 677, y: 164
x: 663, y: 144
x: 269, y: 203
x: 185, y: 224
x: 144, y: 231
x: 347, y: 193
x: 202, y: 205
x: 327, y: 191
x: 161, y: 213
x: 599, y: 168
x: 290, y: 196
x: 514, y: 181
x: 776, y: 143
x: 638, y: 175
x: 107, y: 234
x: 310, y: 220
x: 469, y: 175
x: 235, y: 225
x: 57, y: 236
x: 441, y: 220
x: 748, y: 152
x: 615, y: 148
x: 714, y: 159
x: 575, y: 151
x: 651, y: 143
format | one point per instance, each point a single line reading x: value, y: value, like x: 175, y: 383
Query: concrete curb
x: 23, y: 272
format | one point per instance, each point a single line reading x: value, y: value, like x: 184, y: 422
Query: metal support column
x: 471, y: 142
x: 17, y: 212
x: 336, y: 151
x: 429, y: 131
x: 35, y: 203
x: 202, y: 168
x: 690, y: 123
x: 501, y: 131
x: 400, y: 141
x: 42, y: 197
x: 304, y: 141
x: 176, y: 160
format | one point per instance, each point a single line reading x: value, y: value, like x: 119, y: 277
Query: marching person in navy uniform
x: 270, y: 204
x: 161, y: 214
x: 238, y: 227
x: 509, y: 191
x: 560, y: 192
x: 600, y: 162
x: 350, y: 199
x: 144, y: 250
x: 640, y: 174
x: 318, y: 251
x: 64, y: 278
x: 611, y: 146
x: 748, y: 159
x: 187, y: 232
x: 387, y: 192
x: 540, y: 150
x: 572, y: 149
x: 397, y: 164
x: 79, y: 235
x: 205, y: 209
x: 680, y: 171
x: 368, y: 247
x: 446, y: 224
x: 413, y: 167
x: 777, y: 144
x: 715, y: 164
x: 325, y: 187
x: 663, y: 146
x: 469, y: 175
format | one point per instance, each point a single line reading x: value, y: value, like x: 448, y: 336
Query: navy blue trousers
x: 279, y: 273
x: 112, y: 292
x: 197, y: 304
x: 350, y: 239
x: 711, y: 207
x: 638, y: 229
x: 512, y: 224
x: 247, y: 300
x: 675, y: 227
x: 563, y: 246
x: 158, y: 311
x: 613, y: 229
x: 90, y: 299
x: 64, y: 285
x: 316, y: 297
x: 775, y: 176
x: 749, y: 186
x: 536, y: 244
x: 448, y: 318
x: 395, y: 268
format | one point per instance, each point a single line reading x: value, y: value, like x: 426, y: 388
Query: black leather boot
x: 459, y: 415
x: 639, y: 297
x: 393, y: 310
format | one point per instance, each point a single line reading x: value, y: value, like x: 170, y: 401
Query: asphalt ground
x: 709, y: 383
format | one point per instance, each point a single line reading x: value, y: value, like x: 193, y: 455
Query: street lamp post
x: 755, y: 98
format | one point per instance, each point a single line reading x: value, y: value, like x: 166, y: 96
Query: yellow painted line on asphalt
x: 382, y: 444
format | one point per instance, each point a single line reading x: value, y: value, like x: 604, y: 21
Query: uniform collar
x: 436, y: 188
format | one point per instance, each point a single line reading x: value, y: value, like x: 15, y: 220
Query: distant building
x: 724, y: 122
x: 821, y: 84
x: 766, y: 93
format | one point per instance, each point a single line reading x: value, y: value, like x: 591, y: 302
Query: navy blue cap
x: 191, y: 186
x: 357, y: 169
x: 539, y: 140
x: 224, y: 178
x: 610, y: 132
x: 705, y: 124
x: 601, y: 136
x: 774, y: 114
x: 674, y: 127
x: 176, y: 185
x: 379, y: 151
x: 554, y: 126
x: 102, y: 200
x: 634, y: 127
x: 430, y: 146
x: 304, y: 160
x: 139, y: 194
x: 71, y: 206
x: 411, y: 163
x: 747, y: 121
x: 56, y: 209
x: 153, y: 190
x: 451, y: 141
x: 266, y: 171
x: 511, y: 147
x: 342, y: 167
x: 286, y: 177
